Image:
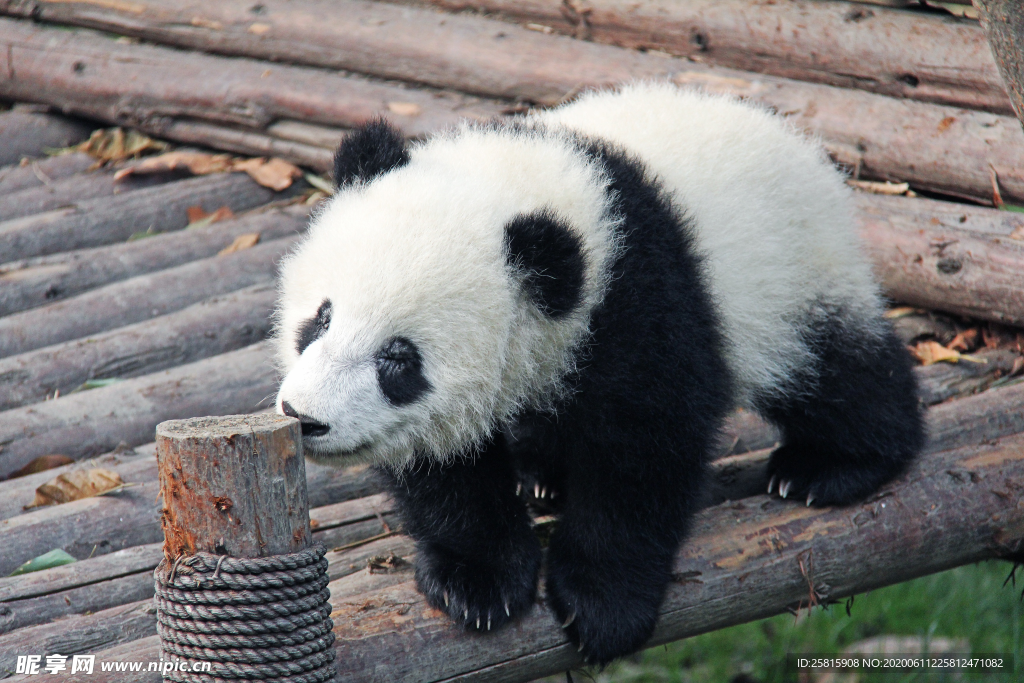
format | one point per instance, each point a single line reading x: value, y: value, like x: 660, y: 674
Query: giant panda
x: 579, y: 297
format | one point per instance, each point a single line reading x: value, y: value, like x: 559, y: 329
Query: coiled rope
x: 265, y: 618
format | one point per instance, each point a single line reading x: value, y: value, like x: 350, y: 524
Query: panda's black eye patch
x: 400, y: 371
x: 549, y: 257
x: 315, y: 327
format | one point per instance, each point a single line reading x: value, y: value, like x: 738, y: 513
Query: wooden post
x: 233, y: 485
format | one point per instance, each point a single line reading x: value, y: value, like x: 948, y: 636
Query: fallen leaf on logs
x: 75, y: 485
x: 404, y: 108
x: 198, y: 217
x: 880, y: 188
x: 55, y: 558
x: 197, y: 163
x: 41, y: 464
x: 277, y: 174
x: 249, y: 239
x: 965, y: 341
x: 901, y: 311
x: 114, y: 144
x: 929, y: 352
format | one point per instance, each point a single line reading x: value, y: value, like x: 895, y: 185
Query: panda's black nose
x: 310, y: 427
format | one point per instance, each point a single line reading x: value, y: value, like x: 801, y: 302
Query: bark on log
x: 95, y: 222
x: 139, y: 298
x: 744, y: 561
x: 68, y: 191
x: 41, y: 280
x: 924, y: 260
x: 214, y: 326
x: 93, y: 422
x: 943, y: 381
x: 242, y: 141
x: 29, y: 134
x: 900, y: 54
x: 37, y: 172
x: 142, y: 85
x: 1003, y: 21
x: 232, y: 485
x: 938, y: 148
x: 41, y: 597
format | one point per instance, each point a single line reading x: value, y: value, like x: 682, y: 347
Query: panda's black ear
x: 374, y: 149
x: 548, y: 256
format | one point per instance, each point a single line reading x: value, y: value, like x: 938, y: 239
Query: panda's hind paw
x: 480, y: 595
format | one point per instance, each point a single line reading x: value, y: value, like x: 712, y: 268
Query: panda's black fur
x: 622, y: 454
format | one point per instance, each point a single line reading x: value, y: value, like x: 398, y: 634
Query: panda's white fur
x: 392, y: 258
x: 772, y: 218
x: 771, y: 214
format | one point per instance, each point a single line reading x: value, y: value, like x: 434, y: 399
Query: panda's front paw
x: 482, y: 593
x: 606, y: 616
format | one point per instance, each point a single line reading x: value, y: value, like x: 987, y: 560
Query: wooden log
x: 943, y: 381
x: 41, y: 280
x: 146, y: 86
x: 744, y: 561
x: 37, y: 172
x: 1003, y: 22
x: 30, y: 134
x: 243, y: 141
x: 40, y: 597
x: 924, y: 57
x: 233, y: 485
x: 937, y: 148
x: 95, y: 222
x: 68, y: 191
x: 926, y: 259
x: 139, y: 298
x: 93, y: 422
x: 211, y: 327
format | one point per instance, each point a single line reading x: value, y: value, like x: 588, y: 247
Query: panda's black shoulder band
x: 548, y: 255
x: 373, y: 150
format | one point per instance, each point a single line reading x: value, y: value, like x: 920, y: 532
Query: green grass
x: 968, y: 603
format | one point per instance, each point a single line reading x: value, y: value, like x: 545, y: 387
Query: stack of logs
x: 894, y: 95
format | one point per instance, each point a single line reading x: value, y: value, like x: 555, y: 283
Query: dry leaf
x: 405, y: 108
x: 113, y: 144
x: 901, y: 312
x: 880, y: 188
x: 277, y: 174
x: 259, y: 29
x: 929, y: 352
x: 249, y: 239
x: 1018, y: 233
x: 199, y: 218
x: 41, y: 464
x: 75, y: 485
x: 964, y: 341
x: 197, y: 163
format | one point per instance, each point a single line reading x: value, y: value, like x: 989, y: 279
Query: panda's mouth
x: 312, y: 427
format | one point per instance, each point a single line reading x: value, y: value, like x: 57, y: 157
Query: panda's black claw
x: 810, y: 499
x: 784, y: 487
x: 771, y: 484
x: 569, y: 620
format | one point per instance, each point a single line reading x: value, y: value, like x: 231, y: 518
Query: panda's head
x: 443, y: 288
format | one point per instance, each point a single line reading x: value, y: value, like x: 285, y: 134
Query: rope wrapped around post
x: 245, y: 596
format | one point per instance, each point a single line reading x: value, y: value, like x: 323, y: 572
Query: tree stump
x: 233, y: 486
x: 1004, y: 24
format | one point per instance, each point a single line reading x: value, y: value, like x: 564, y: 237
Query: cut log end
x: 233, y: 485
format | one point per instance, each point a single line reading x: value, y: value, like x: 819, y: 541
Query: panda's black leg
x: 610, y: 558
x: 857, y: 426
x: 477, y: 556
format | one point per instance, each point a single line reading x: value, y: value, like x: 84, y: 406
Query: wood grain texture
x: 216, y: 325
x: 232, y: 485
x: 925, y: 256
x: 140, y: 298
x: 920, y: 56
x: 39, y: 172
x: 149, y: 86
x: 38, y: 281
x: 1003, y: 21
x: 95, y: 222
x: 30, y: 134
x: 94, y: 422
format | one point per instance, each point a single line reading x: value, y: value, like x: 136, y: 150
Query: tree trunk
x: 1003, y: 21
